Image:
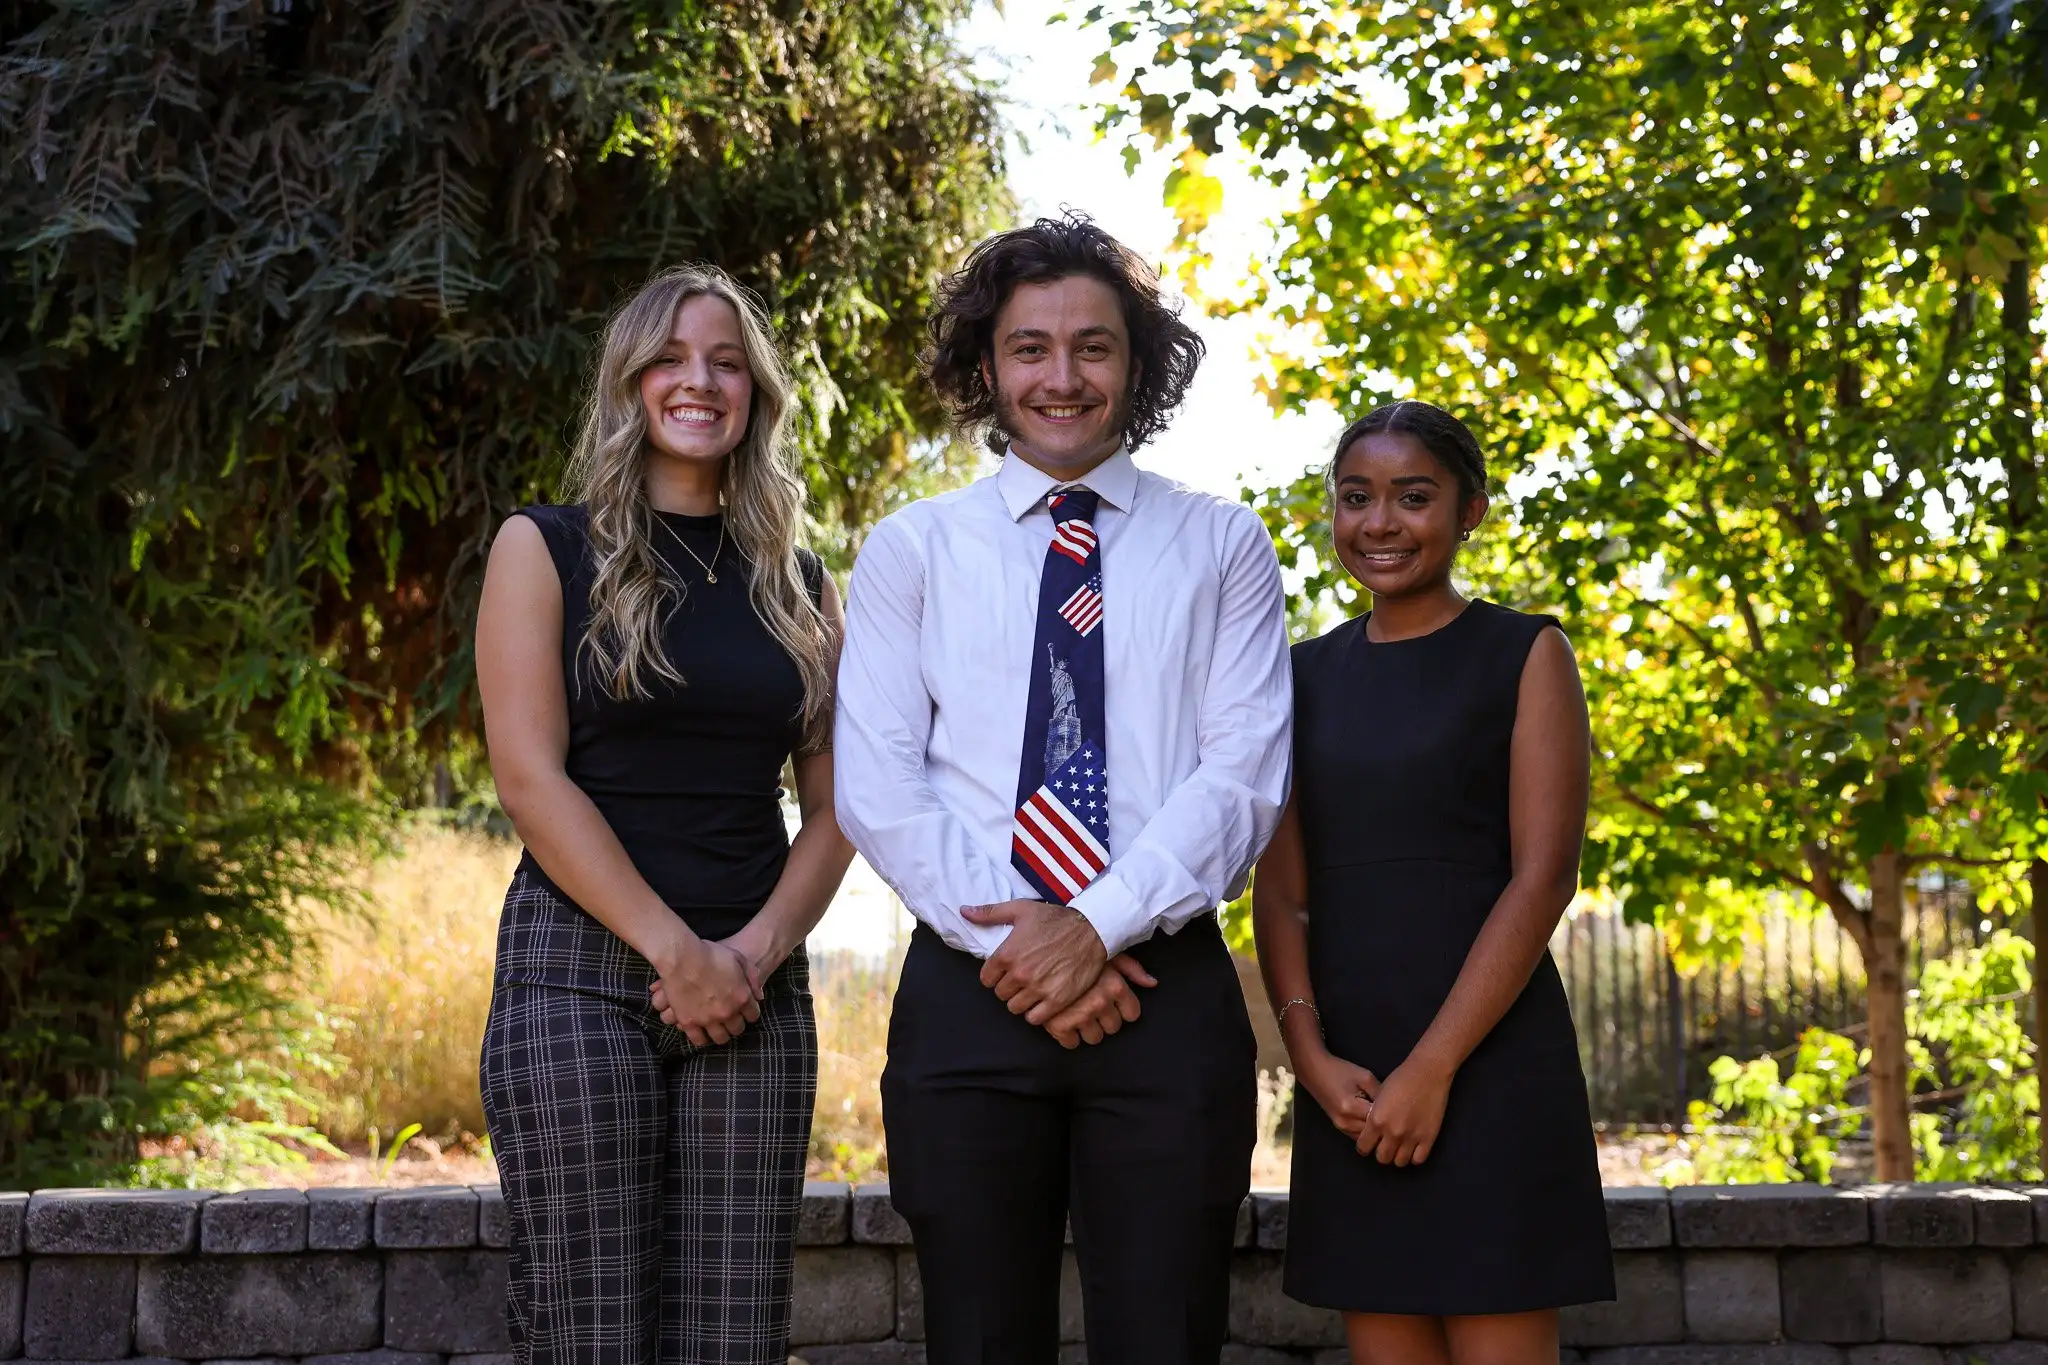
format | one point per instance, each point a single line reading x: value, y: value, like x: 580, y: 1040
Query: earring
x: 1464, y: 535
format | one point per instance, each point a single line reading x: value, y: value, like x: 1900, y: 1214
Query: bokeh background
x: 1744, y: 297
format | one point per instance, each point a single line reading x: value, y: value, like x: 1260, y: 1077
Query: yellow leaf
x: 1192, y: 193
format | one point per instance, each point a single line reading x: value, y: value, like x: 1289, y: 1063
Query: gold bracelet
x: 1280, y: 1019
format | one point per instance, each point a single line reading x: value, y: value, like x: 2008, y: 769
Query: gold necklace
x: 710, y: 573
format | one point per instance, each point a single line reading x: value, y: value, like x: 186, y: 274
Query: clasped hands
x: 711, y: 989
x: 1396, y: 1120
x: 1054, y: 970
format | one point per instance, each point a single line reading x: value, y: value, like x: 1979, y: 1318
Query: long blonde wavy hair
x: 630, y: 597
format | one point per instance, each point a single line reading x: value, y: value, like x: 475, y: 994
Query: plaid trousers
x: 652, y: 1186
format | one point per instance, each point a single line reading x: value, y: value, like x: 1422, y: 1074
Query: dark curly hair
x: 1165, y: 350
x: 1446, y: 438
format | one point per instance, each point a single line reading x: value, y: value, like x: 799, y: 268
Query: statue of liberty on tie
x: 1063, y: 736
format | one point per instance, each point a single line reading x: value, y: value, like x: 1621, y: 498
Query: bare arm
x: 818, y: 856
x: 1280, y: 926
x: 526, y: 724
x: 1549, y: 776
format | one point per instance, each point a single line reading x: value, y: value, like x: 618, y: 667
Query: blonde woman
x: 651, y: 654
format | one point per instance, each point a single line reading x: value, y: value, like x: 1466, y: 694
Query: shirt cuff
x: 1109, y: 905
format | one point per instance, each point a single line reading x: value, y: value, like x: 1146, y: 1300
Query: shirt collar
x: 1024, y: 487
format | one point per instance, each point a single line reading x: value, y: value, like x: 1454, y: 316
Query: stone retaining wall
x: 1906, y: 1275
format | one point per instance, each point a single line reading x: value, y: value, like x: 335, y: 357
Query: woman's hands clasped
x: 1344, y: 1091
x: 1406, y: 1114
x: 1395, y: 1121
x: 710, y: 991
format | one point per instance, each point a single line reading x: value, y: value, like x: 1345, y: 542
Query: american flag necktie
x: 1060, y: 838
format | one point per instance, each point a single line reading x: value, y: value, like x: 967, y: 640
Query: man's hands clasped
x: 1051, y: 956
x: 1104, y: 1007
x: 1054, y: 970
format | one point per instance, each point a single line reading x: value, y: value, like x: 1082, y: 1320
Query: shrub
x: 1977, y: 1096
x: 298, y: 300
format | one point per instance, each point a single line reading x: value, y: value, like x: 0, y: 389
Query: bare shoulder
x: 1551, y: 653
x: 1550, y: 675
x: 519, y: 536
x: 521, y: 565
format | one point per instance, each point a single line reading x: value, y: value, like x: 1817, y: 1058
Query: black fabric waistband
x: 1200, y: 937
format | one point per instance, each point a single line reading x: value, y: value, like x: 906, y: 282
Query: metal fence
x: 1647, y: 1035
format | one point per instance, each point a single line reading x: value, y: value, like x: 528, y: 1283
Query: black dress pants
x: 996, y: 1133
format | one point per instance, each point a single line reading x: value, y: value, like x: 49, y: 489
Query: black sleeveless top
x: 689, y: 778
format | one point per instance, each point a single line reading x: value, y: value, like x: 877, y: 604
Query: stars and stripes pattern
x: 1075, y: 539
x: 1059, y: 840
x: 1062, y: 832
x: 1083, y: 611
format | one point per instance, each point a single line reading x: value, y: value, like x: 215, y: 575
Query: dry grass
x: 406, y: 989
x: 1273, y: 1155
x: 852, y: 996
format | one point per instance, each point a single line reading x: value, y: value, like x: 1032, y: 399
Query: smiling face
x: 1399, y: 515
x: 1062, y: 373
x: 697, y: 393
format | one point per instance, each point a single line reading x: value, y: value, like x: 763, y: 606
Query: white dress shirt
x: 941, y: 621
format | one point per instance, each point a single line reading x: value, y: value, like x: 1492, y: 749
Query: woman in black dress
x: 1446, y: 1187
x: 651, y: 655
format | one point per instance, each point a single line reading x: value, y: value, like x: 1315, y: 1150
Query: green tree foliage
x: 1766, y: 1128
x: 297, y: 301
x: 1975, y: 1070
x: 1978, y: 1093
x: 1744, y: 299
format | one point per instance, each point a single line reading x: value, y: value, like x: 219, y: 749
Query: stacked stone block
x: 1887, y: 1275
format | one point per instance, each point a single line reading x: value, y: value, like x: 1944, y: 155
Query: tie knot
x: 1073, y: 504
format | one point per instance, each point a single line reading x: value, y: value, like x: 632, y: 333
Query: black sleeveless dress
x: 1401, y: 780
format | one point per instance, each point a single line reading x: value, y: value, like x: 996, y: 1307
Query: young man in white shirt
x: 1062, y: 737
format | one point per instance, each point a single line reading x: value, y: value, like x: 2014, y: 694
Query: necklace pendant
x: 710, y: 577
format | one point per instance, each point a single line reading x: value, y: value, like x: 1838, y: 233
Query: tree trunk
x: 2037, y: 882
x: 2016, y: 314
x: 1885, y: 968
x: 2022, y: 502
